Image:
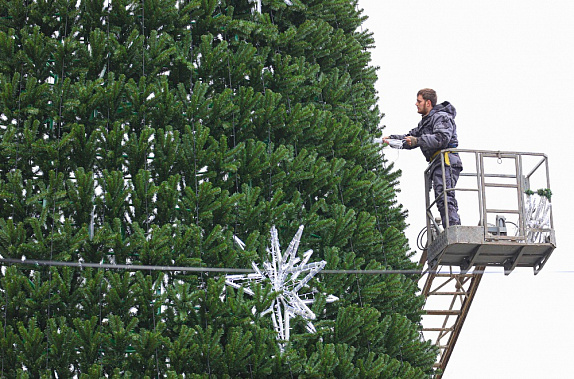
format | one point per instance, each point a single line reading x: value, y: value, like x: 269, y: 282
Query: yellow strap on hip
x: 446, y: 157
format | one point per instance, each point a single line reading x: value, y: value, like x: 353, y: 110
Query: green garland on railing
x: 543, y: 192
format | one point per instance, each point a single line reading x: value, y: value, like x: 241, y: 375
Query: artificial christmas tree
x: 150, y: 133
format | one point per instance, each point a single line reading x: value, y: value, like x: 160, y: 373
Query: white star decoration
x: 284, y: 272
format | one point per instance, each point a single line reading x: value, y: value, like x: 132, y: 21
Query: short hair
x: 428, y: 94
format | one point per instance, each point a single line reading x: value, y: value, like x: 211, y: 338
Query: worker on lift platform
x: 435, y: 132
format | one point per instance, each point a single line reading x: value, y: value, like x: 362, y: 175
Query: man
x: 436, y: 131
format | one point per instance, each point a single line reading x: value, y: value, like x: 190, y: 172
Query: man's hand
x: 411, y: 141
x: 386, y: 140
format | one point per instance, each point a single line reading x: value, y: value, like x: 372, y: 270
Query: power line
x: 135, y: 267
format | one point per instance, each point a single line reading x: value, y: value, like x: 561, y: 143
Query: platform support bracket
x: 468, y: 262
x: 511, y: 263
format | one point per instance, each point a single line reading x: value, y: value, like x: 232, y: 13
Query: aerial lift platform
x: 513, y: 227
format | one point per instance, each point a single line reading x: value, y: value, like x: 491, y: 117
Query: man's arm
x: 409, y: 140
x: 442, y: 131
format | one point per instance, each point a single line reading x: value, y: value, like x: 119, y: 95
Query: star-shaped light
x: 288, y: 274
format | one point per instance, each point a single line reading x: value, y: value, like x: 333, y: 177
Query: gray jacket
x: 436, y: 131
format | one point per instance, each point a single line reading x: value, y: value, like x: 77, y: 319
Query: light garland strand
x: 537, y: 216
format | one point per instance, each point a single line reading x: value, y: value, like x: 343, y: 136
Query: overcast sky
x: 508, y: 68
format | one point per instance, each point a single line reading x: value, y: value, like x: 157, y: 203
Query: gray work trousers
x: 450, y: 179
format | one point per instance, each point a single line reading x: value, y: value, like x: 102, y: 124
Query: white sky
x: 508, y: 68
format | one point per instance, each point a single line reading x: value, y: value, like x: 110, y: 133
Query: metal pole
x: 478, y: 188
x: 483, y: 193
x: 548, y: 186
x: 520, y: 190
x: 427, y: 202
x: 444, y: 188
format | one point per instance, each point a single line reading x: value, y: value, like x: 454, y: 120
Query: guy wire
x: 135, y: 267
x: 58, y: 136
x: 16, y: 159
x: 192, y: 119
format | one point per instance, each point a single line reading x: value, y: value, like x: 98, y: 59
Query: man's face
x: 423, y: 106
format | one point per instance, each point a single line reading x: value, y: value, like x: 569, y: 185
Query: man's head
x: 426, y: 100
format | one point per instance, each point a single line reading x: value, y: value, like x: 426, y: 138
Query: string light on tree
x: 258, y: 4
x: 289, y: 275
